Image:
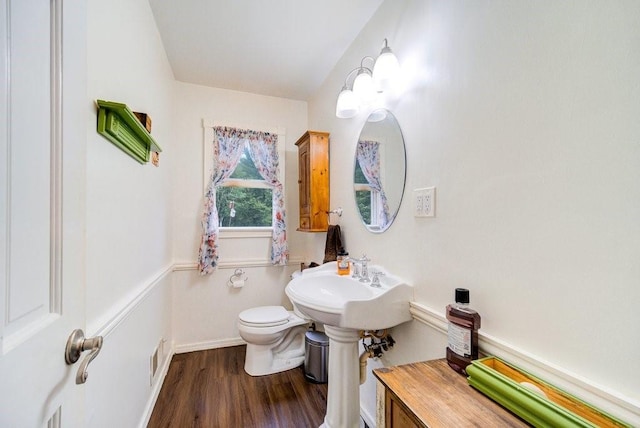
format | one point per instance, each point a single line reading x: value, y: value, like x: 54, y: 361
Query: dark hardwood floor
x: 210, y: 389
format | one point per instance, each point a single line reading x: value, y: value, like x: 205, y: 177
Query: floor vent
x: 155, y: 361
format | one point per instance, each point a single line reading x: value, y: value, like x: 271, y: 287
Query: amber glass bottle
x: 464, y: 323
x: 344, y: 264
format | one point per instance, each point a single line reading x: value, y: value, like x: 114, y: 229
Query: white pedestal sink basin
x: 345, y: 305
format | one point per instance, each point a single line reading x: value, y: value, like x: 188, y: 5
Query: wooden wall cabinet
x: 313, y: 181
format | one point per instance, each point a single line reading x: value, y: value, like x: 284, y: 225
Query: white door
x: 43, y: 118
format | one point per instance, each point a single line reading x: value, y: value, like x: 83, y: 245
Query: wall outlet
x: 424, y: 202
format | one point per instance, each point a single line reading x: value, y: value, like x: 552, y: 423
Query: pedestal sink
x: 345, y: 306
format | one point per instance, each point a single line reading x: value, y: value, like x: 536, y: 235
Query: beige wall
x: 205, y: 308
x: 524, y: 116
x: 128, y: 216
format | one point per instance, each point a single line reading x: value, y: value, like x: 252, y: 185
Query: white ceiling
x: 281, y: 48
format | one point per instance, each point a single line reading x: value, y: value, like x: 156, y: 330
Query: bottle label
x: 343, y: 265
x: 460, y: 340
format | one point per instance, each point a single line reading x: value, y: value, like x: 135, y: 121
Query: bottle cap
x: 342, y: 252
x: 462, y: 295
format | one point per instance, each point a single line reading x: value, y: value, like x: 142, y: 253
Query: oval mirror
x: 379, y: 171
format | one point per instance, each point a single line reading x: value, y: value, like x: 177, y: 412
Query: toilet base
x: 286, y: 354
x: 261, y: 362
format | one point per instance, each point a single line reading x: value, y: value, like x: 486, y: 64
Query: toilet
x: 275, y: 339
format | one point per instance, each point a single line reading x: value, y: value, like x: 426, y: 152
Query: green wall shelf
x: 118, y: 124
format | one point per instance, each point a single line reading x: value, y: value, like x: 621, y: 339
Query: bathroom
x: 522, y: 115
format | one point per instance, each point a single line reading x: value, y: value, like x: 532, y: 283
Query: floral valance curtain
x: 228, y: 146
x: 368, y: 155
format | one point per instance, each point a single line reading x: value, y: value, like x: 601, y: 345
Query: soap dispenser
x: 463, y: 327
x: 343, y: 262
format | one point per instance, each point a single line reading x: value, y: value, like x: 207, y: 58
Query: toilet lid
x: 264, y: 316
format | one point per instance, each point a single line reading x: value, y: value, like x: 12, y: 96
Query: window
x: 245, y: 187
x: 366, y: 198
x: 245, y: 199
x: 370, y: 196
x: 243, y: 191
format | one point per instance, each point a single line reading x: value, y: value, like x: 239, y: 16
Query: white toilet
x: 275, y: 339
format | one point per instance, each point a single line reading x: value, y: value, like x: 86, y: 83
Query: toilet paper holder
x: 237, y: 279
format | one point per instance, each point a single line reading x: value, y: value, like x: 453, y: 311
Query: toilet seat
x: 264, y: 316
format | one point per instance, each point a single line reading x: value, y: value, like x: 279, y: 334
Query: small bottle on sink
x: 344, y: 265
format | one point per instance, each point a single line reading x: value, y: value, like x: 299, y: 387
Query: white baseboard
x: 209, y: 344
x: 620, y: 406
x: 367, y: 418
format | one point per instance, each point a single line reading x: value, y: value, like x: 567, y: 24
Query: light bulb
x: 385, y: 70
x: 363, y: 87
x: 347, y: 105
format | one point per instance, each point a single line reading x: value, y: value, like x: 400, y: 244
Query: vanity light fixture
x: 362, y: 92
x: 367, y: 83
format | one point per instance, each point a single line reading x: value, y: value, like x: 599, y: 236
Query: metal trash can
x: 316, y: 357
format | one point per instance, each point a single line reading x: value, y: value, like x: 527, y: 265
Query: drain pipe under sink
x: 366, y: 354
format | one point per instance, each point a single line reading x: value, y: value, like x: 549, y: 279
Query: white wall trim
x: 366, y: 416
x: 209, y: 344
x: 105, y: 324
x: 108, y: 322
x: 610, y: 401
x: 236, y: 263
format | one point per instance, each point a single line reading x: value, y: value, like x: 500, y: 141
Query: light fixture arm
x: 346, y: 80
x: 386, y: 47
x: 373, y: 60
x: 358, y: 69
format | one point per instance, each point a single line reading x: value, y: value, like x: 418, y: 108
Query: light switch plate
x: 424, y: 202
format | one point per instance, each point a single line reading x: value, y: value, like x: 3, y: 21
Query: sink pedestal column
x: 343, y: 396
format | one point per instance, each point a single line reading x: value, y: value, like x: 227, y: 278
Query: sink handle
x: 364, y: 269
x: 375, y: 280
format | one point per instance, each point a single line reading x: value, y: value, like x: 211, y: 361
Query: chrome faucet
x: 364, y: 271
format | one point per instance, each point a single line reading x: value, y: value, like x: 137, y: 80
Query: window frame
x: 375, y: 201
x: 374, y: 196
x: 208, y: 135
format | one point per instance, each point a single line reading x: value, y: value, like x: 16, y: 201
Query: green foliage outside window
x: 363, y: 197
x: 244, y: 206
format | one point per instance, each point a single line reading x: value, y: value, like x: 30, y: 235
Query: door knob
x: 76, y: 345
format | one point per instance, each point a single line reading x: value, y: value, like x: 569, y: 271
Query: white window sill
x: 245, y: 232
